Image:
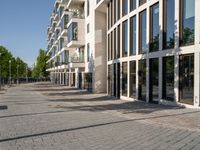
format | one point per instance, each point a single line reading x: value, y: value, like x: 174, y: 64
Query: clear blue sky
x: 23, y: 26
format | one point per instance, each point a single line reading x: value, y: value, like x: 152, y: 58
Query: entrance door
x: 154, y: 80
x: 186, y: 78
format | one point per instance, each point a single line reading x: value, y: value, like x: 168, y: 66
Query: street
x: 47, y: 117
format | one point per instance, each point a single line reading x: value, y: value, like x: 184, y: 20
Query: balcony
x: 76, y: 33
x: 75, y: 3
x: 76, y: 62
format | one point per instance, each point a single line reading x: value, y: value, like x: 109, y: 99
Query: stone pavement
x: 47, y: 117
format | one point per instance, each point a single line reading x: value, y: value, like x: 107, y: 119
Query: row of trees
x: 18, y: 67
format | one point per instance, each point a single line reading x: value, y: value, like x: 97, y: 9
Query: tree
x: 39, y: 70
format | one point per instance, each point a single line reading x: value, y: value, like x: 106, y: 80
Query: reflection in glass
x: 132, y: 5
x: 168, y: 78
x: 154, y: 79
x: 141, y: 2
x: 154, y: 28
x: 186, y: 78
x: 142, y: 80
x: 124, y: 7
x: 133, y: 35
x: 124, y: 79
x: 187, y: 22
x: 143, y: 32
x: 125, y: 38
x: 133, y: 79
x: 169, y: 24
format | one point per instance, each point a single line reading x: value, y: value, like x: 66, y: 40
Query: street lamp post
x: 10, y: 72
x: 17, y: 74
x: 26, y: 75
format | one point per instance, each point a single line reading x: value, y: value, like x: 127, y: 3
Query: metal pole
x: 26, y: 75
x: 17, y: 74
x: 10, y: 72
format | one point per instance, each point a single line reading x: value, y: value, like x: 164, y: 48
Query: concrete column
x: 176, y: 77
x: 196, y: 79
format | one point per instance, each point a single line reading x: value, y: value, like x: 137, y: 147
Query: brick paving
x: 47, y: 117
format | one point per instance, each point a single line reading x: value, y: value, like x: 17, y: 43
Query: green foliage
x: 39, y: 71
x: 16, y: 63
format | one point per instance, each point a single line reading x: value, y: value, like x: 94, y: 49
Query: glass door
x: 186, y: 79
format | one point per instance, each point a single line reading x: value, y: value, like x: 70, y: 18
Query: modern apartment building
x: 146, y: 50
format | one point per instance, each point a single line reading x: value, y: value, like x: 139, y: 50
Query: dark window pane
x: 132, y: 5
x: 168, y: 78
x: 125, y: 38
x: 133, y: 79
x: 124, y: 7
x: 141, y: 2
x: 143, y: 32
x: 154, y: 80
x: 118, y: 43
x: 142, y: 80
x: 169, y: 24
x: 133, y: 35
x: 124, y: 79
x: 119, y: 10
x: 154, y: 28
x: 187, y: 24
x: 186, y: 78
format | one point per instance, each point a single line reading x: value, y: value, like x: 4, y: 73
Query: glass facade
x: 168, y: 78
x: 118, y: 43
x: 132, y: 85
x: 125, y: 38
x: 133, y: 35
x: 143, y: 32
x: 124, y: 79
x: 168, y: 24
x: 187, y: 22
x: 154, y: 28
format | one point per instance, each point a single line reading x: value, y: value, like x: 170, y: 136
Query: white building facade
x: 146, y: 50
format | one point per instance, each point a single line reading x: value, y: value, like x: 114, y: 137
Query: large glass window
x: 88, y: 7
x: 110, y: 79
x: 125, y: 38
x: 124, y: 7
x: 142, y: 80
x: 143, y: 32
x: 111, y: 45
x: 132, y: 79
x: 187, y: 22
x: 186, y: 78
x: 168, y: 78
x: 132, y: 5
x: 154, y: 28
x: 133, y: 35
x: 154, y: 80
x: 119, y: 9
x: 73, y: 32
x: 115, y: 50
x: 169, y: 24
x: 124, y: 79
x: 108, y: 18
x: 88, y: 52
x: 141, y: 2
